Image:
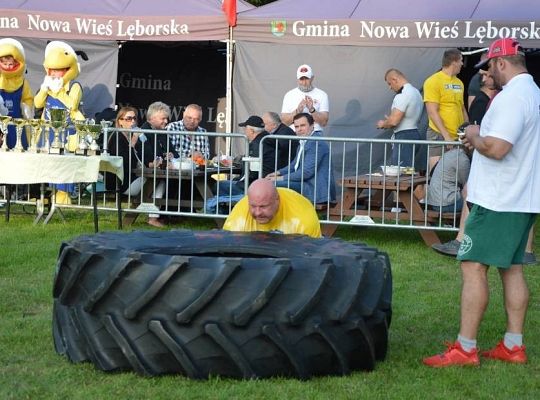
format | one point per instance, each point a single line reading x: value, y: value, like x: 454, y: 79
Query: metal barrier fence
x: 367, y: 192
x: 372, y: 193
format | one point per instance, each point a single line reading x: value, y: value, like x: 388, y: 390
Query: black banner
x: 175, y: 73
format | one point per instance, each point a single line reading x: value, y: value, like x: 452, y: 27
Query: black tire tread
x: 221, y: 303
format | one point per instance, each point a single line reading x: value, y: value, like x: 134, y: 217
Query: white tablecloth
x: 26, y: 168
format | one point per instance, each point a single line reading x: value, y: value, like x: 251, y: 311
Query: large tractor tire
x: 240, y: 305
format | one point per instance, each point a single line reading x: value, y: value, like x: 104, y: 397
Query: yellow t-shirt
x: 295, y: 215
x: 447, y: 91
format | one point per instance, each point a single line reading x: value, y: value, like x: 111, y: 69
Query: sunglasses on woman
x: 128, y: 118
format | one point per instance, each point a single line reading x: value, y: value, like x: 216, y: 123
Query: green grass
x: 426, y: 312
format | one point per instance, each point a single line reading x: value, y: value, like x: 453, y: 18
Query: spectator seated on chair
x: 448, y: 177
x: 310, y: 172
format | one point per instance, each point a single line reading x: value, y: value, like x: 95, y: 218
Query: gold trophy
x: 58, y: 123
x: 94, y: 131
x: 36, y: 125
x: 82, y: 146
x: 5, y: 120
x: 19, y: 125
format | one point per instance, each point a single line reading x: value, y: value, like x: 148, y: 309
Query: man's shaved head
x: 263, y: 199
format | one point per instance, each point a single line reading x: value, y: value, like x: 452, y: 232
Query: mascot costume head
x: 15, y: 90
x: 59, y: 88
x: 12, y: 62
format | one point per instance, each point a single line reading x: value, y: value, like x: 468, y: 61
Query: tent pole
x: 228, y: 100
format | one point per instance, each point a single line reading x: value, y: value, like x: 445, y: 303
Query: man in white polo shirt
x: 504, y: 188
x: 305, y: 98
x: 403, y: 119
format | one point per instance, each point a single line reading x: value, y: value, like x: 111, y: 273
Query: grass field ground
x: 426, y: 312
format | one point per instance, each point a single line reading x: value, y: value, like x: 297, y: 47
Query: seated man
x: 286, y: 149
x: 448, y: 178
x: 186, y: 144
x: 230, y: 191
x: 266, y: 208
x: 310, y: 173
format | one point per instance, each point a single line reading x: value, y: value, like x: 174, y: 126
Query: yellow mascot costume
x: 60, y: 90
x: 14, y: 88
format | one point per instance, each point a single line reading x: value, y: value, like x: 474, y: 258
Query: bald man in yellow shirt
x: 270, y: 209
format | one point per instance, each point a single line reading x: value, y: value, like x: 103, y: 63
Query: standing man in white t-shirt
x: 403, y: 119
x: 504, y: 188
x: 305, y: 98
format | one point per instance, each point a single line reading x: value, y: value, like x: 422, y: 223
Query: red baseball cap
x: 501, y: 48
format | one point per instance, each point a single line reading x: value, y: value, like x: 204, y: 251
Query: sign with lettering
x: 460, y: 33
x: 21, y: 23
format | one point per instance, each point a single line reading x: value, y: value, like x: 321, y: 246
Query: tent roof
x: 116, y: 19
x: 431, y: 23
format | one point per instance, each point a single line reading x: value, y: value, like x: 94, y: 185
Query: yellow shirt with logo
x: 448, y: 92
x: 295, y: 214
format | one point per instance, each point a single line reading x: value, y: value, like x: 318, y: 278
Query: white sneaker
x: 396, y: 209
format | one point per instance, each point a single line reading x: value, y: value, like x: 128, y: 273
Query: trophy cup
x: 5, y: 120
x: 19, y: 125
x: 105, y: 126
x: 58, y: 123
x: 94, y: 131
x: 46, y: 124
x: 36, y: 125
x: 82, y: 147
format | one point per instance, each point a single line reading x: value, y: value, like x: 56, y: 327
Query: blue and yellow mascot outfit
x: 14, y: 88
x: 60, y: 90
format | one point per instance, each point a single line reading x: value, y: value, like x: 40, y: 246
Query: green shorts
x: 495, y: 238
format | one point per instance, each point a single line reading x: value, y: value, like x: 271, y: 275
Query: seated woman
x: 122, y: 144
x: 310, y: 173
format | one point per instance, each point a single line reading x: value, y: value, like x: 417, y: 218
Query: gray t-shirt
x: 410, y: 102
x: 450, y: 173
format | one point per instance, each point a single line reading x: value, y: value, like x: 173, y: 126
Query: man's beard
x: 306, y: 89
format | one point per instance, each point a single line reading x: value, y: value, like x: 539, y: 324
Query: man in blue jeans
x: 403, y: 119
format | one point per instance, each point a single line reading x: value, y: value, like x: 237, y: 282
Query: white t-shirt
x: 293, y: 97
x: 410, y: 102
x: 513, y: 183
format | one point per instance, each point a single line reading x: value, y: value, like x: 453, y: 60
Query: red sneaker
x: 515, y: 355
x: 454, y: 355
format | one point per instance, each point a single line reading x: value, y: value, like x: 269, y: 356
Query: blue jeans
x: 227, y: 188
x: 230, y: 192
x: 403, y: 154
x: 449, y: 208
